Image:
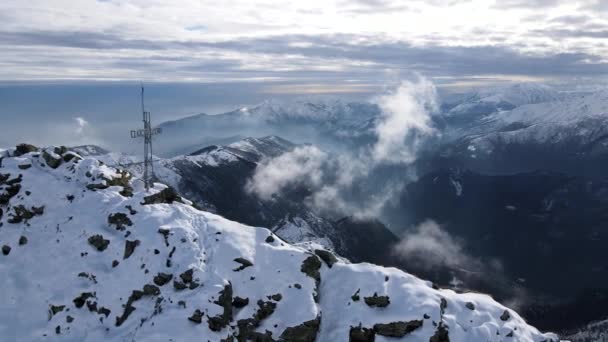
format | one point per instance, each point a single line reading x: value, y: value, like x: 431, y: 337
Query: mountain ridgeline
x: 88, y: 254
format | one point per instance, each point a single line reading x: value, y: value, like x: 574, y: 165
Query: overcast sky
x: 66, y: 60
x: 314, y: 45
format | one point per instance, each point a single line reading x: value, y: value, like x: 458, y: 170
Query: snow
x: 45, y: 271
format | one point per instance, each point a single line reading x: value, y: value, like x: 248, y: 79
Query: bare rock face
x: 305, y: 332
x: 397, y: 329
x: 360, y: 334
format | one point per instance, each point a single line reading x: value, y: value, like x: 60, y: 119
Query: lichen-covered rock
x: 377, y: 301
x: 22, y: 214
x: 397, y: 329
x: 167, y: 195
x: 305, y: 332
x: 310, y: 266
x: 328, y: 257
x: 22, y: 149
x: 360, y: 334
x: 163, y: 278
x: 51, y: 159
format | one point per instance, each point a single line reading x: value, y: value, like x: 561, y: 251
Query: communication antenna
x: 147, y: 132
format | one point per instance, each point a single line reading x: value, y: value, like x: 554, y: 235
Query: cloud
x: 405, y: 121
x: 302, y: 165
x: 358, y: 183
x: 81, y: 125
x: 430, y: 246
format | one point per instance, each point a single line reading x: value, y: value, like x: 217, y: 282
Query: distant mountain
x: 498, y: 99
x: 89, y: 255
x: 568, y: 135
x: 315, y: 121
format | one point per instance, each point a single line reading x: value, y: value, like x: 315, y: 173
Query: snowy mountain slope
x: 555, y: 135
x: 315, y: 120
x: 487, y: 101
x: 88, y: 256
x: 214, y: 178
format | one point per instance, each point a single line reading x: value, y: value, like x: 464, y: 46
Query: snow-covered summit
x: 87, y: 255
x: 487, y: 101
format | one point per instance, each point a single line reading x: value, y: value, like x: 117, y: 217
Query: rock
x: 24, y: 166
x: 6, y: 249
x: 80, y: 300
x: 71, y: 156
x: 505, y: 316
x: 360, y: 334
x: 52, y: 160
x: 151, y: 290
x: 265, y: 309
x: 239, y: 302
x: 104, y: 311
x: 197, y: 317
x: 130, y: 248
x: 120, y: 220
x: 69, y: 319
x: 115, y: 263
x: 219, y: 322
x: 470, y: 306
x: 178, y: 285
x: 269, y: 239
x: 244, y: 264
x: 310, y: 267
x: 22, y: 149
x: 397, y: 329
x: 355, y: 297
x: 167, y: 195
x: 122, y: 181
x: 22, y: 240
x: 305, y: 332
x: 99, y: 242
x: 187, y: 276
x: 54, y: 309
x: 327, y: 257
x: 297, y: 286
x: 276, y: 297
x: 377, y: 301
x: 162, y: 278
x: 21, y: 213
x: 441, y: 335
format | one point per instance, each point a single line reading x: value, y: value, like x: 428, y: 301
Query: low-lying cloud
x: 431, y: 246
x: 349, y: 184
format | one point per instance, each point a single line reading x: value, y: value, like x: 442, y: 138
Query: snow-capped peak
x: 88, y: 255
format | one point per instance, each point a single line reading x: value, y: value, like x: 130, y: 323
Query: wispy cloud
x: 348, y: 184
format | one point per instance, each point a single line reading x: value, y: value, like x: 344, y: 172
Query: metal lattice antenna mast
x: 147, y: 134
